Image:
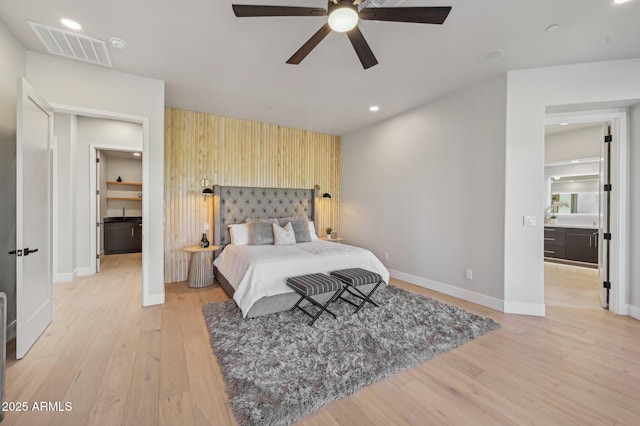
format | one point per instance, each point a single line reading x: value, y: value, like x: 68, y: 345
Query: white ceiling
x: 214, y: 62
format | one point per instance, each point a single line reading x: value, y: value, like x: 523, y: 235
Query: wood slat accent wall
x: 234, y: 152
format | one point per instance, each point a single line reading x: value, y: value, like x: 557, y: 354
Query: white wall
x: 64, y: 268
x: 529, y: 93
x: 634, y: 290
x: 12, y: 65
x: 427, y: 187
x: 572, y: 144
x: 64, y: 82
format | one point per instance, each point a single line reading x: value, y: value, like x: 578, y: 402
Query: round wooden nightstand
x: 200, y: 268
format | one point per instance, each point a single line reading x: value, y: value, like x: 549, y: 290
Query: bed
x: 255, y: 276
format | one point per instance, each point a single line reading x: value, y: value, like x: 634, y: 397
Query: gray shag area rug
x: 279, y: 370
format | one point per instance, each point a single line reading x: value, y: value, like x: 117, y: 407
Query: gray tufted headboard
x: 234, y: 204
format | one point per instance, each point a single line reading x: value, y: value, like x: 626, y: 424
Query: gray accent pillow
x: 260, y: 233
x: 300, y: 229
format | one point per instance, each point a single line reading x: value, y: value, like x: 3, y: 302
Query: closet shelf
x: 124, y: 199
x: 109, y: 182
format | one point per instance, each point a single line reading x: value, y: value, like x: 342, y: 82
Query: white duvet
x: 260, y: 271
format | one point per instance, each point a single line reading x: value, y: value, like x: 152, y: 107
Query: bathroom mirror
x: 580, y: 193
x: 577, y: 202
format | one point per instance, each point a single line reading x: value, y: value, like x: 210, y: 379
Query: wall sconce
x: 204, y: 183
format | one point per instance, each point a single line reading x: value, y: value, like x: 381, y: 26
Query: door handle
x: 27, y: 251
x: 131, y: 232
x: 16, y: 252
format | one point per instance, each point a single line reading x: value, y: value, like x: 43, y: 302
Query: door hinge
x: 97, y: 192
x: 608, y: 138
x: 98, y: 256
x: 97, y: 160
x: 97, y: 224
x: 607, y: 235
x: 607, y: 187
x: 606, y: 284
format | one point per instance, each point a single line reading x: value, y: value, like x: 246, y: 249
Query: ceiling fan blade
x: 362, y: 48
x: 247, y: 10
x: 419, y: 15
x: 309, y: 45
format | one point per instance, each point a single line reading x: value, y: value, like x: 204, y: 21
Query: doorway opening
x: 573, y: 169
x: 118, y: 203
x: 611, y: 240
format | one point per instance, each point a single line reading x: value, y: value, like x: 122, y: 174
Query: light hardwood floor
x: 118, y: 363
x: 568, y: 286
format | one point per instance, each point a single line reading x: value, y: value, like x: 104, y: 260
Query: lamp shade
x: 207, y: 191
x: 326, y: 195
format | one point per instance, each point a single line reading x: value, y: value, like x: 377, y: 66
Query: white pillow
x: 239, y: 234
x: 283, y: 235
x: 312, y: 231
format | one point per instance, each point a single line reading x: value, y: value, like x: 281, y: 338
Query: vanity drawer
x: 554, y: 237
x: 554, y: 251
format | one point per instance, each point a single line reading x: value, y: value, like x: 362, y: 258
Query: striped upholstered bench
x: 311, y: 285
x: 354, y: 278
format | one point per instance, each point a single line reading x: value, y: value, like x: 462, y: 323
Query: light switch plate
x: 529, y: 221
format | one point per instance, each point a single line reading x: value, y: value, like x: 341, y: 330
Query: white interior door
x: 34, y: 308
x: 605, y: 200
x: 98, y: 215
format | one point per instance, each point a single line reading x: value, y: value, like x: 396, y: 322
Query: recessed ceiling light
x: 491, y: 56
x: 575, y: 161
x: 555, y: 177
x: 374, y: 108
x: 118, y: 43
x: 620, y: 1
x: 70, y: 23
x: 136, y: 154
x: 564, y: 124
x: 551, y: 28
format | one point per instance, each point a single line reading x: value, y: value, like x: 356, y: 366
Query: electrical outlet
x: 386, y: 256
x: 469, y: 274
x: 529, y: 221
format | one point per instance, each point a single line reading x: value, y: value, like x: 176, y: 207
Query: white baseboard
x: 152, y: 299
x: 64, y: 278
x: 11, y: 330
x: 470, y: 296
x: 535, y: 309
x: 70, y: 276
x: 633, y: 311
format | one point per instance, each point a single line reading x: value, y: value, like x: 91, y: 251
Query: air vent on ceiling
x: 71, y: 45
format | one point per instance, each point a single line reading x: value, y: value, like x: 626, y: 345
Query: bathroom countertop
x: 562, y: 225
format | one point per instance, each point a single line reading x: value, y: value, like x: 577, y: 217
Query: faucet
x: 123, y: 213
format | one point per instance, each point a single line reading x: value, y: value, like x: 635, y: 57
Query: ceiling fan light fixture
x: 343, y: 18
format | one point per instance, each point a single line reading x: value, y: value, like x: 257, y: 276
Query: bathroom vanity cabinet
x: 571, y: 243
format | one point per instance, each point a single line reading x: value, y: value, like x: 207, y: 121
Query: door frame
x: 148, y: 299
x: 93, y: 183
x: 619, y: 251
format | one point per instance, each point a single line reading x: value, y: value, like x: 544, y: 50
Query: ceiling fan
x: 343, y: 17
